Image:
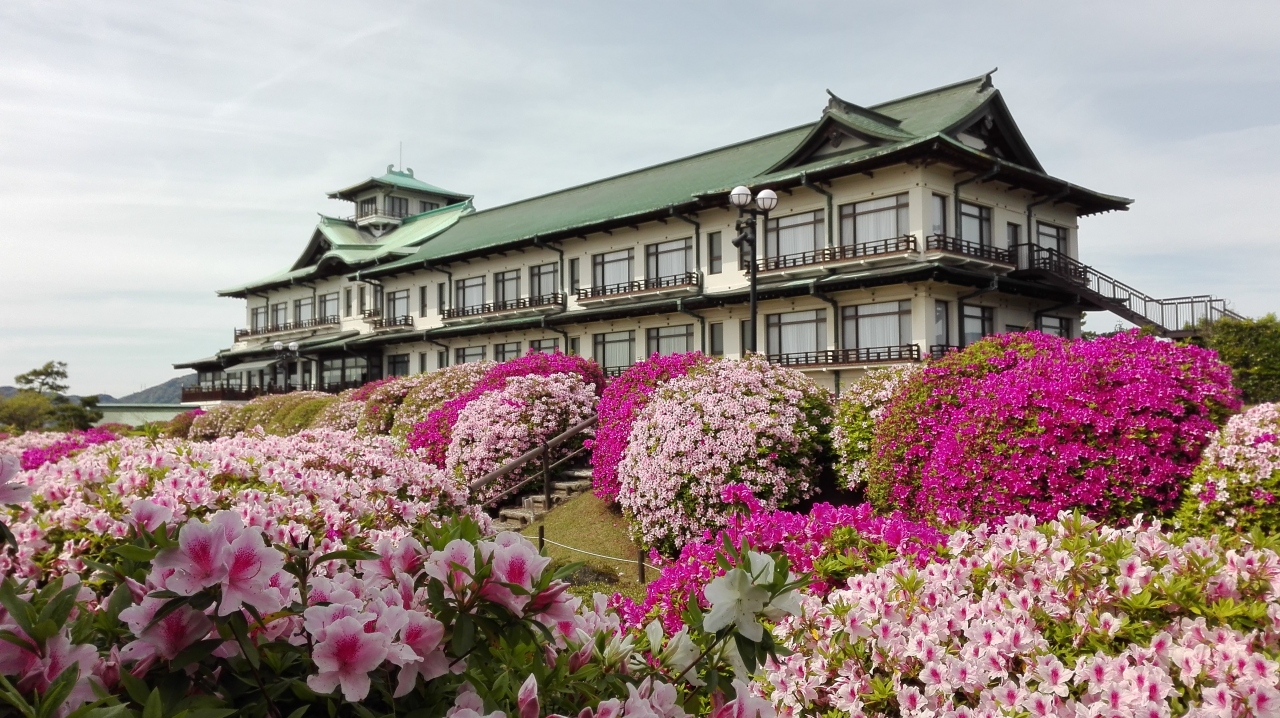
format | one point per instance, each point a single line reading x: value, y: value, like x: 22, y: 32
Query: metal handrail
x: 674, y: 280
x: 892, y: 245
x: 532, y: 454
x: 943, y: 243
x: 288, y: 326
x: 861, y: 355
x: 404, y: 320
x: 543, y: 300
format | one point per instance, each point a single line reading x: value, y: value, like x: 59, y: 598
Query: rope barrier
x: 599, y: 555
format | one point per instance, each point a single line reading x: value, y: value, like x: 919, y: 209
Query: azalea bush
x: 315, y: 485
x: 504, y: 424
x: 828, y: 542
x: 861, y: 407
x: 35, y: 449
x: 180, y: 426
x: 211, y: 424
x: 341, y: 415
x: 396, y: 407
x: 1237, y: 485
x: 211, y: 618
x: 1065, y: 618
x: 730, y: 422
x: 432, y: 437
x: 620, y: 403
x: 1029, y: 423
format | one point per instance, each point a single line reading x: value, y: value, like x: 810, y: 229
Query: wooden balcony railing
x: 861, y: 355
x: 952, y: 245
x: 546, y: 300
x: 404, y: 320
x: 893, y: 245
x: 687, y: 279
x: 287, y: 327
x: 937, y: 351
x: 363, y: 212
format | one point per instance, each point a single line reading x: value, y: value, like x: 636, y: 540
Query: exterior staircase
x: 531, y: 507
x: 1172, y: 317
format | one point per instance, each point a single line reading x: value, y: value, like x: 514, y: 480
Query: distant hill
x: 170, y: 392
x: 7, y: 391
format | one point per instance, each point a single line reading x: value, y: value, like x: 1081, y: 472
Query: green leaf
x: 299, y: 713
x: 58, y: 691
x: 350, y: 554
x: 241, y: 631
x: 747, y: 650
x: 170, y: 606
x: 60, y: 607
x: 195, y: 653
x: 464, y: 636
x: 19, y: 610
x: 212, y: 712
x: 154, y: 707
x: 135, y: 553
x: 135, y: 687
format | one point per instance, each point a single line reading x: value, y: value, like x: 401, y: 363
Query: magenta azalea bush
x: 424, y: 393
x: 1237, y: 485
x: 504, y: 424
x: 730, y: 422
x: 315, y: 485
x: 1029, y: 423
x: 621, y: 402
x: 38, y: 449
x: 180, y: 426
x: 802, y: 538
x: 1066, y: 618
x: 432, y: 437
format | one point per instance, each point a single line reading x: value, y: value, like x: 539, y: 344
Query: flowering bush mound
x: 432, y: 437
x: 1065, y: 618
x: 620, y: 403
x: 35, y: 449
x: 1237, y: 484
x: 730, y: 422
x: 341, y: 415
x: 861, y: 407
x: 1029, y: 423
x: 209, y: 424
x: 179, y: 427
x: 397, y: 407
x: 504, y: 424
x: 316, y: 484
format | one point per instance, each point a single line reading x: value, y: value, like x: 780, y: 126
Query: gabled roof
x: 395, y: 178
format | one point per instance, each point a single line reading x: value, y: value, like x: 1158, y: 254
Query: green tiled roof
x: 394, y: 178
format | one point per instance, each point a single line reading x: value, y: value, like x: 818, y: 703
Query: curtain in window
x: 616, y: 268
x: 618, y: 349
x: 671, y: 262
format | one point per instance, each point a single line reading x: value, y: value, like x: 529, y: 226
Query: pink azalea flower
x: 517, y: 563
x: 346, y: 656
x: 149, y: 515
x: 168, y: 637
x: 200, y: 560
x: 453, y: 565
x: 12, y: 492
x: 248, y: 578
x: 527, y: 698
x: 422, y: 635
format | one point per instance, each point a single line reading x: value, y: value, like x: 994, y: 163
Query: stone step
x: 507, y: 525
x: 522, y: 516
x: 572, y: 487
x: 577, y: 474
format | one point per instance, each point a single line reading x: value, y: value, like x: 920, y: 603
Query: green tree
x: 1251, y: 347
x: 48, y: 379
x: 68, y: 415
x: 26, y: 411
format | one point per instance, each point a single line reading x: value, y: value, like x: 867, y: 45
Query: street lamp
x: 284, y: 353
x: 765, y: 201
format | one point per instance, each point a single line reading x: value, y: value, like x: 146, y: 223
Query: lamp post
x: 286, y: 352
x: 746, y: 227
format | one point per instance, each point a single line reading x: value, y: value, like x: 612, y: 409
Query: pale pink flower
x: 248, y: 578
x: 345, y: 657
x: 12, y: 492
x: 527, y: 698
x: 199, y: 561
x: 453, y: 565
x: 422, y: 635
x: 149, y: 515
x: 168, y: 637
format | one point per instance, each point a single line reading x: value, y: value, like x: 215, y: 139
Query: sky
x: 151, y: 153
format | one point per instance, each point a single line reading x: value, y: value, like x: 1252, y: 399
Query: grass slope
x: 587, y: 523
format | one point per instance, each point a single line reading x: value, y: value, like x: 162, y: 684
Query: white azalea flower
x: 735, y: 599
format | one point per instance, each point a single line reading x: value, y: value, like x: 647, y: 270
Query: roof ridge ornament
x: 986, y: 80
x: 840, y: 104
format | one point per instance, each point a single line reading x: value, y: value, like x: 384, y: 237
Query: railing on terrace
x: 893, y: 245
x: 861, y: 355
x: 1174, y: 314
x: 362, y: 212
x: 937, y: 351
x: 370, y: 314
x: 287, y: 327
x: 943, y: 243
x: 404, y: 320
x: 613, y: 371
x: 541, y: 452
x: 546, y: 300
x: 675, y: 280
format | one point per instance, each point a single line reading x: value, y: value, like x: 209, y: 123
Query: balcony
x: 242, y: 334
x: 951, y: 250
x: 658, y: 288
x: 937, y: 351
x: 527, y: 306
x: 852, y: 256
x: 849, y: 357
x: 403, y: 320
x: 204, y: 393
x: 377, y: 216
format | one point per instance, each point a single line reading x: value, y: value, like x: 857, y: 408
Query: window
x: 467, y: 355
x: 575, y: 280
x: 377, y: 297
x: 422, y: 362
x: 441, y: 290
x: 873, y: 220
x: 506, y: 351
x: 670, y: 340
x: 398, y: 306
x: 425, y: 206
x: 1013, y: 233
x: 346, y: 297
x: 715, y: 253
x: 575, y: 348
x: 1051, y: 237
x: 717, y: 339
x: 329, y: 307
x: 546, y: 346
x: 422, y: 301
x: 360, y: 296
x: 279, y: 314
x: 368, y: 206
x: 794, y: 234
x: 668, y: 259
x: 398, y: 365
x: 506, y: 286
x: 469, y: 292
x: 941, y: 323
x: 975, y: 223
x: 544, y: 280
x: 398, y: 206
x: 258, y: 319
x: 796, y: 332
x: 939, y: 214
x: 611, y: 268
x: 615, y: 351
x: 1057, y: 326
x: 304, y: 310
x: 882, y: 324
x: 977, y: 323
x: 442, y: 359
